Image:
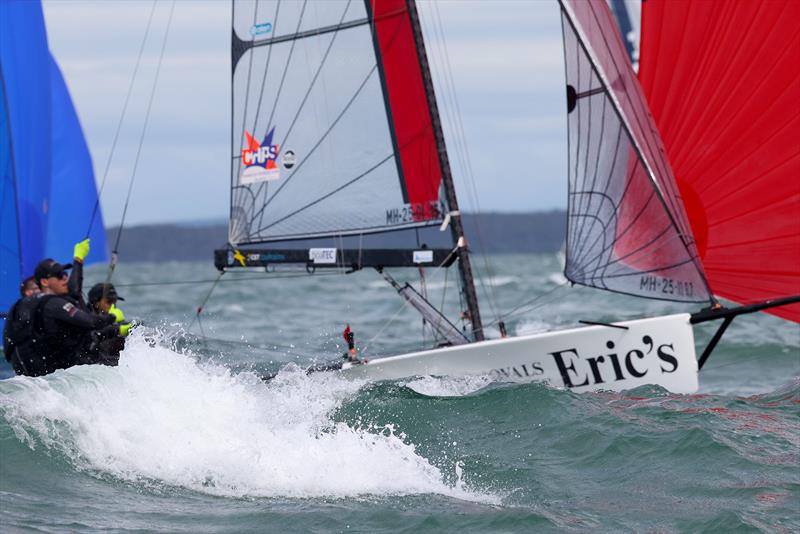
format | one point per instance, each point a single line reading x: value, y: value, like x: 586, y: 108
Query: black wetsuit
x: 62, y: 334
x: 104, y: 348
x: 75, y: 285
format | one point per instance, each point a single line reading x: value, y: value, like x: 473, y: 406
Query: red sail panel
x: 723, y: 83
x: 407, y: 102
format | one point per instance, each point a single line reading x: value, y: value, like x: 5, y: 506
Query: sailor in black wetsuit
x: 28, y: 287
x: 56, y: 332
x: 103, y: 299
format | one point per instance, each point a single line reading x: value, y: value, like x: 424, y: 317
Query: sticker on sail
x: 423, y: 256
x: 415, y: 212
x: 261, y: 29
x: 288, y: 159
x: 322, y: 255
x: 259, y: 160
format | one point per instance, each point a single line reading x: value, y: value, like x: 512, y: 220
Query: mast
x: 456, y: 226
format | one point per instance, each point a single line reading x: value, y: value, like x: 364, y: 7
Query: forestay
x: 627, y: 229
x: 330, y: 134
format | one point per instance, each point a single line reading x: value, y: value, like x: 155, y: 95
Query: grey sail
x: 321, y: 145
x: 336, y: 143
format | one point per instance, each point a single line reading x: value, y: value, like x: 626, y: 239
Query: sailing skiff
x: 336, y: 138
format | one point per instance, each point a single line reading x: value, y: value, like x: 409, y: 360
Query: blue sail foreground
x: 47, y: 188
x: 73, y: 192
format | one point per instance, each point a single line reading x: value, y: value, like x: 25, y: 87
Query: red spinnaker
x: 723, y: 83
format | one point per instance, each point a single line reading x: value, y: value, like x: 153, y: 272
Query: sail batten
x: 311, y: 33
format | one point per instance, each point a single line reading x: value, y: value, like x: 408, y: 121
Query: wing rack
x: 331, y: 258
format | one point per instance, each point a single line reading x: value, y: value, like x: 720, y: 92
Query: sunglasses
x: 62, y: 275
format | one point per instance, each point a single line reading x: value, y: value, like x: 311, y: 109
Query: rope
x: 452, y: 109
x: 269, y: 345
x: 121, y: 120
x: 114, y: 252
x: 202, y: 304
x: 385, y: 325
x: 520, y: 308
x: 436, y: 271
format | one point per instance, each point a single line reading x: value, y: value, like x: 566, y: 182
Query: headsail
x: 627, y: 229
x: 25, y: 122
x: 73, y: 192
x: 47, y: 188
x: 723, y: 83
x: 329, y: 135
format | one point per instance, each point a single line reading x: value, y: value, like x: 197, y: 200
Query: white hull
x: 658, y: 350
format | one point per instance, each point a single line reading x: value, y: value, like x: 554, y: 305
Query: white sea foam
x: 557, y: 278
x: 163, y: 417
x: 445, y: 386
x: 234, y: 308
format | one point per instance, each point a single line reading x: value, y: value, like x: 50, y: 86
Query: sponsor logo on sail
x: 261, y: 29
x: 288, y: 159
x: 423, y: 256
x: 260, y: 160
x: 237, y: 256
x: 322, y: 255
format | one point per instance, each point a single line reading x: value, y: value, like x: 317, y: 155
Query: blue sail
x: 47, y: 188
x: 73, y: 194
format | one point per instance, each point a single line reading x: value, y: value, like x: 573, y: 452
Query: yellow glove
x: 125, y: 328
x: 117, y: 313
x: 81, y: 250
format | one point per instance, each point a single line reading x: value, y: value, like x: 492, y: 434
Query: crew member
x: 352, y: 353
x: 103, y: 299
x: 51, y: 331
x: 28, y: 287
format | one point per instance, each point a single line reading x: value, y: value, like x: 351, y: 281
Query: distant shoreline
x: 493, y: 233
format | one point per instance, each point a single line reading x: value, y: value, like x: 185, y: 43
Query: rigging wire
x: 453, y: 111
x: 114, y: 252
x: 203, y: 303
x: 246, y: 102
x: 385, y: 325
x: 523, y: 308
x: 121, y: 119
x: 435, y: 272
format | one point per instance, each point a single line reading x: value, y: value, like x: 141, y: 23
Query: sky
x: 505, y: 61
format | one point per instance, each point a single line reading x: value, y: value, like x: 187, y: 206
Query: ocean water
x: 184, y: 436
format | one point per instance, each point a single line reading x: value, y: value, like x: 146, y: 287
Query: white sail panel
x: 313, y: 152
x: 627, y: 229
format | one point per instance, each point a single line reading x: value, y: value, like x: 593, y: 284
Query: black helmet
x: 98, y: 290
